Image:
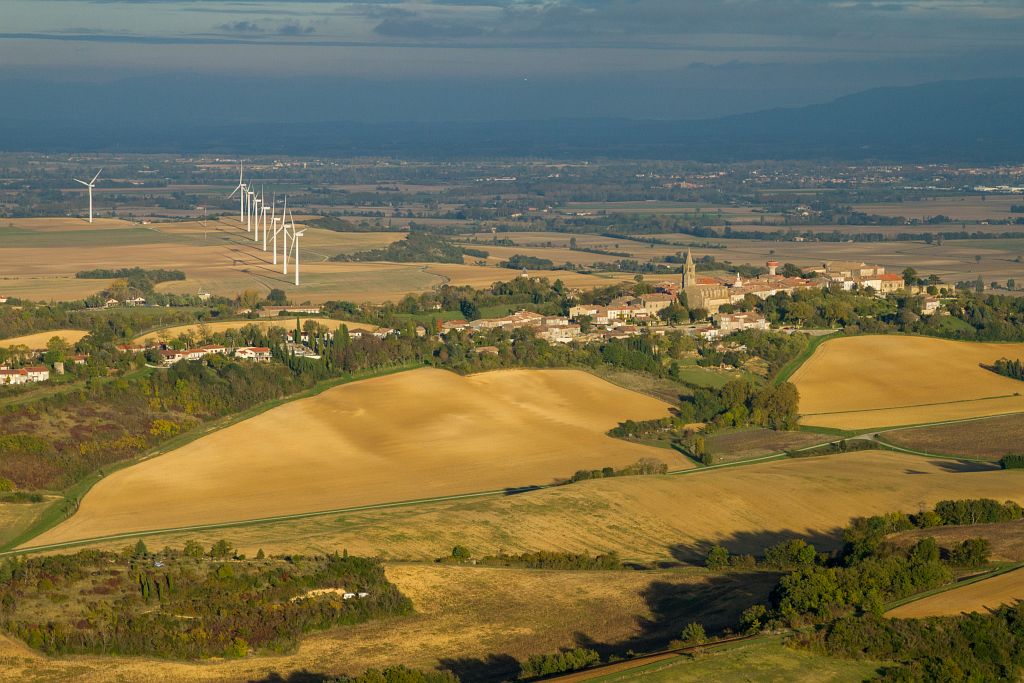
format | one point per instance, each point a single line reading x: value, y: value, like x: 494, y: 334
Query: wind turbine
x: 241, y: 198
x: 256, y: 216
x: 91, y: 184
x: 273, y: 222
x: 248, y: 208
x: 266, y: 210
x: 295, y: 248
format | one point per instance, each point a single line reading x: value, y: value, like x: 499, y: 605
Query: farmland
x: 407, y: 436
x: 875, y: 381
x: 1006, y: 539
x: 38, y: 340
x: 647, y: 519
x: 984, y: 439
x: 476, y: 621
x: 982, y: 595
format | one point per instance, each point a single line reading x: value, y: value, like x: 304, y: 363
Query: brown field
x: 38, y: 340
x: 407, y: 436
x: 986, y: 439
x: 744, y: 444
x: 646, y: 519
x: 221, y: 326
x: 1006, y: 538
x: 51, y: 287
x: 1005, y: 589
x: 463, y: 615
x: 957, y: 208
x: 876, y: 381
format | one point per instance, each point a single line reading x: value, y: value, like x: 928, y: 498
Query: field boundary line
x: 977, y: 578
x: 916, y: 405
x: 51, y: 517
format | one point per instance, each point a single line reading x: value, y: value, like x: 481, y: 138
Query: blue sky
x: 706, y: 57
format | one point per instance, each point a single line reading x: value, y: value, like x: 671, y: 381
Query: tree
x: 694, y: 634
x: 192, y: 549
x: 140, y: 549
x: 717, y: 558
x: 469, y: 309
x: 277, y: 297
x: 909, y: 276
x: 56, y: 350
x: 979, y: 285
x: 221, y: 550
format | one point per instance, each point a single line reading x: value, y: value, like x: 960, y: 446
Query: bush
x: 974, y: 552
x: 790, y: 555
x: 717, y: 558
x: 1013, y: 461
x: 578, y: 658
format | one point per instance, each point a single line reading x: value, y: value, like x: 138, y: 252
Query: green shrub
x: 1013, y: 461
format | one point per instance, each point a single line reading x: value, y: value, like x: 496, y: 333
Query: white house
x: 258, y: 354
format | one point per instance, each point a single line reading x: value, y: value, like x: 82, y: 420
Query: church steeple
x: 689, y: 271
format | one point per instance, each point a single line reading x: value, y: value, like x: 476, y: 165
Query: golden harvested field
x: 38, y: 340
x: 221, y: 326
x: 647, y: 519
x: 39, y: 257
x: 888, y: 380
x: 463, y: 615
x: 1005, y: 589
x: 406, y: 436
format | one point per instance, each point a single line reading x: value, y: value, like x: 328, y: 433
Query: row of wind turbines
x: 253, y: 210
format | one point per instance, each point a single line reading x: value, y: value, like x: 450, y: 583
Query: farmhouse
x: 744, y: 320
x: 15, y: 376
x: 258, y: 354
x: 930, y: 305
x: 38, y: 373
x: 171, y: 356
x: 130, y: 348
x: 274, y: 311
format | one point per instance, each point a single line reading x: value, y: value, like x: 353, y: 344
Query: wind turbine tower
x: 91, y: 184
x: 241, y: 187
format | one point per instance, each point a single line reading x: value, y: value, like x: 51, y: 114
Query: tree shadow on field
x: 962, y: 466
x: 716, y: 603
x: 755, y: 543
x: 301, y: 676
x: 490, y: 668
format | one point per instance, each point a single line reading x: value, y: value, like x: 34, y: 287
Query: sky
x: 488, y: 59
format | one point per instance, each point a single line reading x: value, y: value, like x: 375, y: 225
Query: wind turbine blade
x: 96, y: 176
x: 81, y: 181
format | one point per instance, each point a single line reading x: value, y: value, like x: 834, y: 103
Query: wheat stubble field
x: 407, y: 436
x: 648, y: 519
x: 976, y: 597
x: 287, y: 322
x: 880, y: 381
x: 38, y: 340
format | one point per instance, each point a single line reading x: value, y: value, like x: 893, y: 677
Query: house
x: 449, y: 325
x: 130, y: 348
x: 930, y: 305
x: 38, y: 373
x: 382, y: 332
x: 257, y: 354
x: 110, y: 303
x: 79, y: 358
x: 558, y: 333
x: 274, y: 311
x: 890, y: 282
x: 135, y: 301
x: 17, y: 376
x: 171, y: 356
x: 213, y: 348
x: 480, y: 350
x: 3, y: 299
x: 744, y: 320
x: 301, y: 351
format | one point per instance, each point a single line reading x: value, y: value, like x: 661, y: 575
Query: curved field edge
x: 910, y: 608
x: 55, y: 514
x: 332, y: 452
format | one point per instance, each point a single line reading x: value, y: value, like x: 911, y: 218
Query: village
x: 723, y: 303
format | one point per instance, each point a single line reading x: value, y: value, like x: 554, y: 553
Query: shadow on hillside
x: 302, y: 676
x: 716, y: 603
x: 965, y: 466
x: 754, y: 543
x: 513, y: 491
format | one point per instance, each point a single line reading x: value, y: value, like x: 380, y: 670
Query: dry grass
x: 957, y: 208
x: 407, y: 436
x: 464, y: 615
x: 15, y: 517
x: 977, y: 597
x: 875, y: 381
x: 38, y: 340
x: 750, y: 443
x: 647, y: 519
x: 51, y: 287
x: 222, y: 326
x: 1006, y: 538
x: 987, y: 439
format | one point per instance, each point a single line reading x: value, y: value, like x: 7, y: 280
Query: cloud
x: 416, y: 27
x: 240, y: 27
x: 294, y: 29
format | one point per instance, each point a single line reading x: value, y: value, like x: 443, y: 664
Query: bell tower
x: 689, y: 271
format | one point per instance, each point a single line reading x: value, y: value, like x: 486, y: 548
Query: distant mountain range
x: 970, y: 121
